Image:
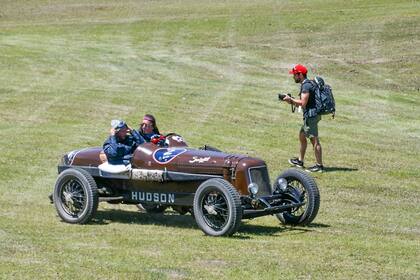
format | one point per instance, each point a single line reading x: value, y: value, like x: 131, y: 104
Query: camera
x: 283, y: 95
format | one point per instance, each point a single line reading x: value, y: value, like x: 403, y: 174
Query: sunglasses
x: 146, y: 125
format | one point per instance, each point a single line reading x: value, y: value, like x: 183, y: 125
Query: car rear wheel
x: 217, y: 208
x: 75, y: 196
x: 301, y: 188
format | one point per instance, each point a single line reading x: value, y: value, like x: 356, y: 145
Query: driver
x: 121, y: 143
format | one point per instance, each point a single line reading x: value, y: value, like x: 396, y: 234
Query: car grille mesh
x: 259, y: 175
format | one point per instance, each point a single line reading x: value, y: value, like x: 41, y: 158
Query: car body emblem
x: 165, y: 155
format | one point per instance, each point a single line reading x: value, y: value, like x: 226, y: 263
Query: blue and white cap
x: 118, y: 124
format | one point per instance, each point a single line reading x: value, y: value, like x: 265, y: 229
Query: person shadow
x: 246, y: 230
x: 337, y: 169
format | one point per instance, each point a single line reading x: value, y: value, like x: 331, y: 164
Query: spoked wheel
x: 75, y: 196
x: 217, y: 208
x: 300, y: 188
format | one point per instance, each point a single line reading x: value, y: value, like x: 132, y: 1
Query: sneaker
x: 316, y: 168
x: 296, y: 162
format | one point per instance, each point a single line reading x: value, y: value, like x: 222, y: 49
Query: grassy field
x: 211, y: 71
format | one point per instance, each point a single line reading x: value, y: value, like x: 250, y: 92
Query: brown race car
x: 218, y: 188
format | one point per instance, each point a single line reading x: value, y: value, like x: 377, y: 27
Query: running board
x: 110, y: 198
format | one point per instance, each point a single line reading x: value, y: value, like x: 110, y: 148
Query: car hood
x: 184, y: 159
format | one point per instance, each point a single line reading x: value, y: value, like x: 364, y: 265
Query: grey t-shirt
x: 308, y: 86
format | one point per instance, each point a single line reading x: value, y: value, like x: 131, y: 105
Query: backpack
x: 324, y: 98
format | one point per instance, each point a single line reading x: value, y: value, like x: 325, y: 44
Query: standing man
x: 309, y: 128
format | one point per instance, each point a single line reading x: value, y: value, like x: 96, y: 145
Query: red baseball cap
x: 299, y: 68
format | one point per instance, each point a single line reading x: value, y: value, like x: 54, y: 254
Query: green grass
x: 210, y: 71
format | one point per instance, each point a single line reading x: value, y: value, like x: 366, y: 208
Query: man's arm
x: 304, y: 97
x: 113, y: 149
x: 137, y: 137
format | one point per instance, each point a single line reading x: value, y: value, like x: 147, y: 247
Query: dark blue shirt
x: 120, y: 151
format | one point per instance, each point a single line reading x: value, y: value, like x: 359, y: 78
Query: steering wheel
x: 174, y: 139
x: 172, y: 134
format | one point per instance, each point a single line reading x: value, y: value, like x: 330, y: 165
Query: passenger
x: 122, y: 142
x: 148, y: 127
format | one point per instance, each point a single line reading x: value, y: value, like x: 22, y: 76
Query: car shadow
x: 173, y: 219
x: 169, y: 218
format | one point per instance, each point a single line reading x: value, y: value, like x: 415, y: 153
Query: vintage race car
x: 217, y: 188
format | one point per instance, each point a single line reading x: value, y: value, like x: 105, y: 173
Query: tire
x: 75, y: 196
x: 151, y: 208
x: 300, y: 183
x: 217, y: 208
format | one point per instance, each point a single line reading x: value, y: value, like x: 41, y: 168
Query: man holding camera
x: 309, y: 128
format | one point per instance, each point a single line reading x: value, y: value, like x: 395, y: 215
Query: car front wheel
x: 75, y: 196
x: 301, y: 188
x: 217, y: 208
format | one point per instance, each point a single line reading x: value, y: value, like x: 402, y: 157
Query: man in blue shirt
x: 121, y: 144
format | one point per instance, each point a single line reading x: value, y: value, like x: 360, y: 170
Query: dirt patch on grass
x: 170, y: 273
x: 212, y: 263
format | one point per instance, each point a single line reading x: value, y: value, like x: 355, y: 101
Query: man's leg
x: 317, y: 149
x: 298, y: 162
x: 303, y: 145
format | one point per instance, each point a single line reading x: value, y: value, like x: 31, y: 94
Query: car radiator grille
x: 259, y: 176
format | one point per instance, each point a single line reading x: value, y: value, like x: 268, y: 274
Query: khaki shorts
x: 310, y: 126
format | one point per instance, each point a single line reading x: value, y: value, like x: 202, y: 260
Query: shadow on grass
x: 317, y: 225
x: 104, y: 217
x: 274, y: 230
x: 333, y: 169
x: 270, y: 230
x: 173, y: 219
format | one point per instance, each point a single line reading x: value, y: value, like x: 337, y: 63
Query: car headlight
x: 253, y: 189
x: 282, y: 184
